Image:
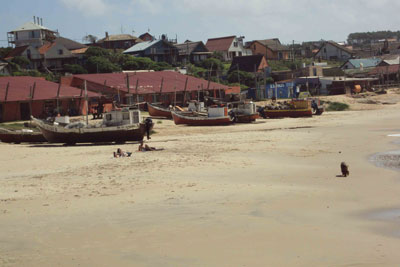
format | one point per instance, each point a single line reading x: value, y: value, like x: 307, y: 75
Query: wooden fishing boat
x: 156, y: 111
x: 117, y: 126
x: 198, y: 120
x: 244, y: 112
x: 298, y: 108
x: 21, y: 136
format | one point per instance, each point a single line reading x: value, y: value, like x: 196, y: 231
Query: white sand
x: 264, y: 194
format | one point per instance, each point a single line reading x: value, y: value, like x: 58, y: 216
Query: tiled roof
x: 149, y: 82
x: 118, y: 37
x: 273, y: 44
x: 79, y: 51
x: 20, y: 89
x: 246, y: 63
x: 188, y: 47
x: 220, y: 44
x: 16, y: 52
x: 46, y: 47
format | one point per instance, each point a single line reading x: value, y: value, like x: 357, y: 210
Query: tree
x: 90, y: 39
x: 97, y: 64
x: 4, y: 51
x: 23, y: 62
x: 75, y: 69
x: 94, y: 51
x: 243, y: 77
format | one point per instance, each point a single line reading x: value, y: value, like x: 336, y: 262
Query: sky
x: 198, y: 20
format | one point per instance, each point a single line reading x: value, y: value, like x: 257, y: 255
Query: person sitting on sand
x: 121, y: 153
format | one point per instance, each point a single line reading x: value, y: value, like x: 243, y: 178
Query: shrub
x: 337, y: 106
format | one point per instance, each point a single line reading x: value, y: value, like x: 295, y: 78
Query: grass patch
x: 159, y: 122
x: 337, y: 106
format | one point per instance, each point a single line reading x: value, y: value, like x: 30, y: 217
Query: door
x: 25, y: 111
x: 1, y: 112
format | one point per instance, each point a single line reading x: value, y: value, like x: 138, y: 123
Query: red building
x: 161, y: 86
x: 21, y: 97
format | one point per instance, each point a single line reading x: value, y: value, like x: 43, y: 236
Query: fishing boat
x: 21, y: 136
x: 244, y: 112
x: 214, y: 117
x: 157, y: 111
x: 117, y: 126
x: 292, y: 109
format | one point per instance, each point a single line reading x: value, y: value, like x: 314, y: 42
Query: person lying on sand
x: 121, y: 153
x: 144, y: 148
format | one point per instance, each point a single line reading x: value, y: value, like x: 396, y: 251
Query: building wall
x: 25, y: 38
x: 330, y: 52
x: 236, y: 50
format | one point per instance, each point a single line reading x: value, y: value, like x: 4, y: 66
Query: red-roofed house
x: 230, y: 47
x: 21, y: 97
x: 159, y: 86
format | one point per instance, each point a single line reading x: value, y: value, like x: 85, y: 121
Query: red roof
x: 150, y: 82
x: 16, y: 52
x: 20, y: 89
x: 44, y: 48
x: 385, y: 69
x: 220, y: 44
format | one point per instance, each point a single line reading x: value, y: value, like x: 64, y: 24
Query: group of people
x: 142, y: 148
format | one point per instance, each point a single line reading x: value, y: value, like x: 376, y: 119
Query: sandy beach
x: 261, y: 194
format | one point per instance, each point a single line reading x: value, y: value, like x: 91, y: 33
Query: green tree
x: 243, y: 77
x: 75, y: 69
x: 23, y: 62
x: 4, y: 51
x: 94, y: 51
x: 97, y: 64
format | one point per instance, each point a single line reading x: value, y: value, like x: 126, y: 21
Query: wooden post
x: 184, y: 92
x: 161, y: 87
x: 58, y: 96
x: 6, y: 96
x: 136, y: 91
x: 86, y: 104
x: 127, y: 83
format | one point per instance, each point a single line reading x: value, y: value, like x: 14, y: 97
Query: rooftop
x: 29, y: 26
x: 220, y: 44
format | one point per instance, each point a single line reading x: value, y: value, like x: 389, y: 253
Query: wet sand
x: 264, y: 194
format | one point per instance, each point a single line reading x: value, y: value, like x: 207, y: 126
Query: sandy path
x: 264, y: 194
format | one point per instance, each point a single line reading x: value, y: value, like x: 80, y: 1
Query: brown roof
x: 220, y: 44
x: 79, y: 51
x: 119, y: 37
x: 337, y: 46
x: 273, y: 44
x: 46, y: 47
x: 246, y: 63
x: 16, y: 52
x: 188, y: 47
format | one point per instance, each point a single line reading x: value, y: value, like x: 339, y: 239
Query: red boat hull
x: 155, y: 111
x: 247, y: 118
x: 200, y: 120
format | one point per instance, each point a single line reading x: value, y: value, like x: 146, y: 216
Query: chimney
x: 34, y: 19
x: 38, y: 22
x: 106, y: 34
x: 41, y: 21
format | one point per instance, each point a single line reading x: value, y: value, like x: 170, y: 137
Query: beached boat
x: 157, y: 111
x: 244, y: 112
x: 118, y: 126
x: 293, y: 109
x: 214, y: 117
x: 21, y: 136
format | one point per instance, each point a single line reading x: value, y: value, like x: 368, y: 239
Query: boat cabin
x: 246, y: 108
x: 214, y: 112
x: 122, y: 117
x: 196, y: 106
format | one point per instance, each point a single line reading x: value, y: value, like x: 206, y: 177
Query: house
x: 272, y: 49
x: 146, y: 37
x: 118, y: 41
x: 158, y: 50
x: 361, y: 63
x: 149, y: 86
x: 192, y: 52
x: 388, y: 60
x: 331, y: 50
x: 254, y: 63
x: 31, y: 34
x: 22, y: 96
x: 386, y: 73
x: 51, y: 55
x: 230, y: 47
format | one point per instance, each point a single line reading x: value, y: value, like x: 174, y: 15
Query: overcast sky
x: 198, y: 20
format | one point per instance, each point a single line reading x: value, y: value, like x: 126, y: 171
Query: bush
x: 23, y: 62
x: 94, y: 51
x: 97, y: 64
x: 75, y: 69
x: 337, y: 106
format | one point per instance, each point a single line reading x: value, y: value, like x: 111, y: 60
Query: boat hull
x: 200, y: 120
x: 7, y: 136
x: 295, y: 113
x: 247, y: 118
x: 118, y: 134
x: 155, y: 111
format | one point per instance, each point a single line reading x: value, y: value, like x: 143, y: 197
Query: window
x: 28, y: 53
x: 240, y: 54
x: 108, y: 117
x: 235, y: 44
x: 125, y: 116
x: 60, y: 51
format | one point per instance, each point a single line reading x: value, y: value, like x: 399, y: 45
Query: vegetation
x: 337, y: 106
x: 369, y: 36
x: 75, y: 69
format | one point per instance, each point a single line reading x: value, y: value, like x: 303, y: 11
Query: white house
x: 230, y: 47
